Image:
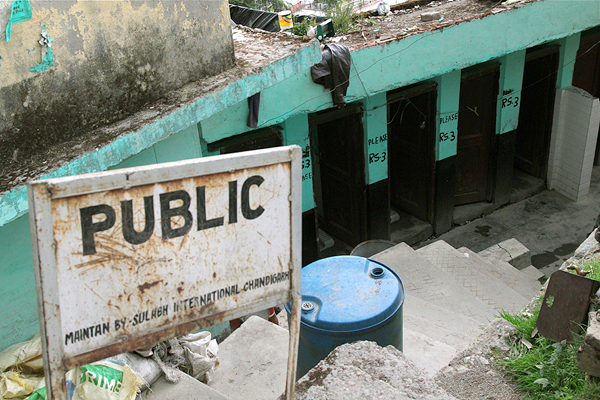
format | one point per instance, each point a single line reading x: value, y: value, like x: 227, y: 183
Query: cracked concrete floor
x: 549, y: 224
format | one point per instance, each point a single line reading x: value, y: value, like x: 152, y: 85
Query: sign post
x: 128, y: 258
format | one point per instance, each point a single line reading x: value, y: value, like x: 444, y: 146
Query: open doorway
x: 337, y: 140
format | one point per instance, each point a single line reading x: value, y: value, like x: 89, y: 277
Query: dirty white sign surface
x: 130, y: 257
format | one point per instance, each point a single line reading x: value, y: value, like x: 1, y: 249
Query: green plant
x: 341, y: 14
x: 542, y: 368
x: 300, y: 28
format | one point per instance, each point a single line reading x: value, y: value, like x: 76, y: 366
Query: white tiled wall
x: 573, y: 143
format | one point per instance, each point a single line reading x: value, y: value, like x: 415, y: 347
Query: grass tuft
x: 342, y: 15
x: 547, y: 370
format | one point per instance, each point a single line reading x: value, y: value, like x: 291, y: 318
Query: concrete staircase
x: 450, y: 296
x: 452, y: 293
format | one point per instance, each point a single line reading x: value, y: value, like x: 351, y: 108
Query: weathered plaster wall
x: 14, y: 203
x: 110, y: 58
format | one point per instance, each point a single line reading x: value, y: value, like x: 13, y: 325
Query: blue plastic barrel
x: 345, y: 299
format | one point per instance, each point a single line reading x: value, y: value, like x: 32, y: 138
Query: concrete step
x: 427, y: 282
x: 253, y: 362
x: 435, y: 331
x: 445, y: 325
x: 533, y: 272
x: 481, y: 284
x: 511, y: 251
x: 512, y: 277
x: 426, y: 353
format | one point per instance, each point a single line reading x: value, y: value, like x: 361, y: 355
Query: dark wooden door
x: 587, y: 70
x: 587, y: 67
x: 535, y: 114
x: 476, y: 131
x: 340, y: 150
x: 411, y: 136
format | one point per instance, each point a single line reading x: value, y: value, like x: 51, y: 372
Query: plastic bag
x: 201, y: 352
x: 14, y: 385
x: 21, y: 369
x: 383, y: 8
x: 101, y: 380
x: 25, y: 356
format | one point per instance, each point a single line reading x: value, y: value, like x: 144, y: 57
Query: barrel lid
x: 349, y: 293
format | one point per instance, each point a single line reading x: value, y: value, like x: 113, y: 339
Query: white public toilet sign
x: 127, y: 258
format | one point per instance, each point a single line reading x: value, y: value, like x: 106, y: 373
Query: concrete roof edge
x: 14, y: 203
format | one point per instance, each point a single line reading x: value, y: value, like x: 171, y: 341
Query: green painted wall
x: 375, y: 126
x: 17, y: 285
x: 295, y: 131
x: 447, y: 121
x: 568, y: 56
x: 509, y: 91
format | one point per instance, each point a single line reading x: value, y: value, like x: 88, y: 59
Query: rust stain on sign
x: 153, y: 237
x: 159, y: 251
x: 147, y: 285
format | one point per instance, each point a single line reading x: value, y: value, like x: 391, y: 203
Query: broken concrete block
x: 588, y: 355
x: 473, y: 374
x: 511, y: 251
x: 364, y: 370
x: 431, y: 16
x: 253, y: 361
x: 187, y: 388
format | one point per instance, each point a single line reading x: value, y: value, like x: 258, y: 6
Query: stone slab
x: 509, y: 275
x: 426, y: 353
x: 533, y: 272
x: 424, y: 280
x: 511, y: 251
x: 445, y: 325
x: 253, y: 361
x: 435, y: 331
x: 485, y: 287
x: 363, y: 370
x: 187, y: 388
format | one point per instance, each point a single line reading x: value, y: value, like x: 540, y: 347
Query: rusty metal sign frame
x: 43, y: 193
x: 565, y: 305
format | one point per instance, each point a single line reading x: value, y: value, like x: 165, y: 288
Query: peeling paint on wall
x: 47, y: 58
x: 20, y: 11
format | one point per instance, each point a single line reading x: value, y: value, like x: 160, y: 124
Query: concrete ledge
x: 511, y: 251
x: 187, y: 388
x: 253, y: 362
x: 533, y: 272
